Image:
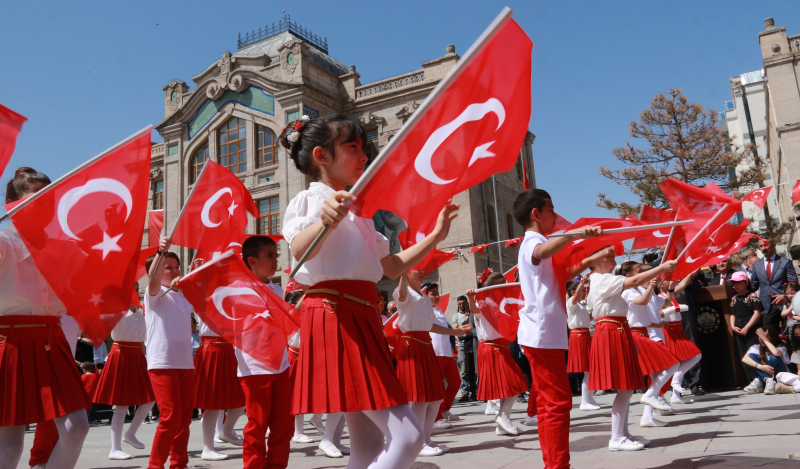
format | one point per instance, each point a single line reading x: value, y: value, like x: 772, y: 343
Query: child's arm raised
x: 644, y: 277
x: 400, y: 263
x: 550, y: 247
x: 333, y: 211
x: 157, y: 268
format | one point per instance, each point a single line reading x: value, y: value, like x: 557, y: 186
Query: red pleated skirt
x: 124, y: 380
x: 612, y: 360
x: 344, y: 363
x: 580, y: 344
x: 38, y: 377
x: 215, y: 382
x: 500, y: 376
x: 417, y: 368
x: 677, y: 343
x: 293, y: 353
x: 653, y: 356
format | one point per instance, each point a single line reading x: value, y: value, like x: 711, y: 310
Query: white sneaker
x: 769, y: 389
x: 235, y: 440
x: 444, y: 448
x: 655, y: 403
x: 430, y: 451
x: 39, y: 466
x: 302, y: 438
x: 442, y: 423
x: 754, y: 387
x: 680, y: 390
x: 677, y: 398
x: 588, y: 406
x: 624, y: 445
x: 343, y: 449
x: 450, y: 416
x: 490, y: 410
x: 652, y: 423
x: 330, y: 449
x: 505, y: 427
x: 119, y: 455
x: 531, y: 421
x: 639, y: 439
x: 213, y: 456
x: 131, y: 440
x: 316, y: 421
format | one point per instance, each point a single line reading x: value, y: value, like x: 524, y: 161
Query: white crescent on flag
x: 210, y: 202
x: 509, y: 301
x: 74, y: 195
x: 224, y: 292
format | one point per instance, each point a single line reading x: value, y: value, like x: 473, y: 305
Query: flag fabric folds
x: 758, y: 196
x: 155, y: 227
x: 10, y: 126
x: 499, y: 305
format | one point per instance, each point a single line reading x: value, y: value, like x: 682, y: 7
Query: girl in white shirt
x: 124, y: 381
x: 37, y: 354
x: 675, y: 339
x: 357, y: 376
x: 500, y: 376
x: 613, y: 362
x: 417, y: 368
x: 580, y: 340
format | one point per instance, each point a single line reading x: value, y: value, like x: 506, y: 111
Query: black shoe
x: 521, y: 399
x: 698, y: 391
x: 463, y: 398
x: 473, y: 398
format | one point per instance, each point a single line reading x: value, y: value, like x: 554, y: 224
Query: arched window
x: 266, y: 147
x: 233, y: 145
x: 197, y: 161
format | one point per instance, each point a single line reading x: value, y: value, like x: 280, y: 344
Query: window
x: 519, y: 167
x: 266, y: 147
x: 158, y: 195
x: 371, y: 149
x: 197, y: 162
x: 269, y: 221
x: 492, y: 223
x: 233, y: 145
x: 510, y: 225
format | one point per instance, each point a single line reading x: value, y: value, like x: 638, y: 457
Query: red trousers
x: 553, y: 402
x: 44, y: 441
x: 532, y: 400
x: 452, y: 378
x: 268, y: 402
x: 174, y: 390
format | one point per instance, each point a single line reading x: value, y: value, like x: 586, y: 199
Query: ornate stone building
x: 240, y: 104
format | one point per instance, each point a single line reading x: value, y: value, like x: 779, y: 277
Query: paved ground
x: 721, y: 430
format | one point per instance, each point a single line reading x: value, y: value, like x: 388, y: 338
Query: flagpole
x: 641, y: 211
x: 497, y: 224
x: 719, y: 212
x: 627, y: 229
x: 58, y: 181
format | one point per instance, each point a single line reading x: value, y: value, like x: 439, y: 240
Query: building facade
x: 781, y: 61
x: 240, y: 104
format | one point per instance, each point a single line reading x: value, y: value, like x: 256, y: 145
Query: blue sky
x: 88, y: 74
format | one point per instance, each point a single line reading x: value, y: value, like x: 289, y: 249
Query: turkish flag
x: 796, y: 192
x: 562, y: 224
x: 499, y: 306
x: 744, y: 238
x: 510, y: 276
x: 526, y: 183
x: 480, y: 248
x: 758, y: 196
x: 84, y: 233
x: 155, y: 227
x: 472, y: 125
x: 722, y: 240
x: 434, y: 260
x: 702, y: 199
x: 239, y: 307
x: 141, y: 266
x: 655, y: 238
x: 10, y: 126
x: 216, y: 212
x: 236, y: 246
x: 444, y: 300
x: 514, y: 242
x: 391, y: 331
x: 704, y: 225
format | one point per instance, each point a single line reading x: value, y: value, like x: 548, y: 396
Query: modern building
x: 239, y: 104
x: 781, y: 62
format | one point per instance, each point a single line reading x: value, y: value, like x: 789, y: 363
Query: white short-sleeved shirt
x: 352, y: 251
x: 543, y: 319
x: 484, y: 329
x: 605, y: 296
x: 577, y: 314
x: 248, y: 366
x: 203, y: 329
x: 23, y: 289
x: 441, y: 342
x: 756, y: 348
x: 169, y: 331
x: 654, y: 309
x: 131, y: 328
x: 638, y: 315
x: 415, y: 313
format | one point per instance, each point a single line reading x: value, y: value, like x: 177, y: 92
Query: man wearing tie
x: 770, y: 274
x: 724, y: 273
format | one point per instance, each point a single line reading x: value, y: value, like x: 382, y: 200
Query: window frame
x: 266, y: 220
x: 240, y: 142
x: 194, y: 168
x: 260, y: 150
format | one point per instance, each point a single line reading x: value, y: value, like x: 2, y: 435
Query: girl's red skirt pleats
x: 417, y: 368
x: 580, y: 344
x: 344, y: 363
x: 215, y: 382
x: 124, y: 380
x: 677, y: 343
x: 500, y: 376
x: 39, y: 380
x: 612, y: 360
x: 653, y: 356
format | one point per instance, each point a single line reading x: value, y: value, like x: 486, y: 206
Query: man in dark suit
x: 770, y: 274
x: 724, y: 273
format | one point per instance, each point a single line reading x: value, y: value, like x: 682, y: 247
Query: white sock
x: 489, y: 405
x: 332, y: 423
x: 138, y: 418
x: 387, y: 438
x: 587, y: 397
x: 619, y: 415
x: 683, y: 367
x: 72, y: 431
x: 658, y: 380
x: 209, y: 429
x: 647, y: 414
x: 231, y: 418
x: 298, y: 424
x: 117, y: 421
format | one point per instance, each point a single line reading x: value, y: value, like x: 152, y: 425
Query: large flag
x: 698, y: 255
x: 155, y: 227
x: 758, y: 196
x: 472, y: 125
x: 434, y: 260
x: 235, y: 246
x: 215, y: 212
x: 84, y: 232
x: 391, y: 331
x: 702, y: 199
x: 499, y: 306
x: 10, y: 126
x: 685, y: 236
x: 654, y: 238
x: 744, y: 238
x: 235, y: 304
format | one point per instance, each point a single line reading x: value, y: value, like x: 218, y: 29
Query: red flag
x: 562, y: 224
x: 472, y: 125
x: 434, y: 260
x: 10, y: 126
x: 655, y: 238
x: 744, y: 238
x: 236, y: 246
x: 513, y: 242
x: 84, y: 233
x: 216, y: 211
x: 499, y: 306
x: 526, y: 183
x: 480, y: 248
x: 796, y: 192
x: 155, y: 227
x: 485, y: 274
x: 706, y: 253
x: 630, y: 216
x: 444, y: 300
x: 235, y: 304
x: 391, y: 331
x: 704, y: 225
x: 759, y: 196
x: 702, y: 199
x: 141, y: 267
x: 510, y: 276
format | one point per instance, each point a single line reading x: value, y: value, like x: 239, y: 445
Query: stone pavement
x: 721, y: 430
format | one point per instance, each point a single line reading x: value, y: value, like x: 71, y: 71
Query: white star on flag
x: 96, y: 299
x: 109, y: 244
x: 231, y: 209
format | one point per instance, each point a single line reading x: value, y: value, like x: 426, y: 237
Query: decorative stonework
x: 776, y: 49
x: 405, y: 112
x: 156, y: 174
x: 227, y: 79
x: 371, y: 120
x: 253, y: 98
x: 172, y: 150
x: 290, y: 56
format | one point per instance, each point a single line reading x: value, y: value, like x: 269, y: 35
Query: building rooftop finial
x: 284, y: 25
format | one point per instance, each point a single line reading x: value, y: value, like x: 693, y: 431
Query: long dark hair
x: 319, y: 132
x: 772, y: 335
x: 23, y: 181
